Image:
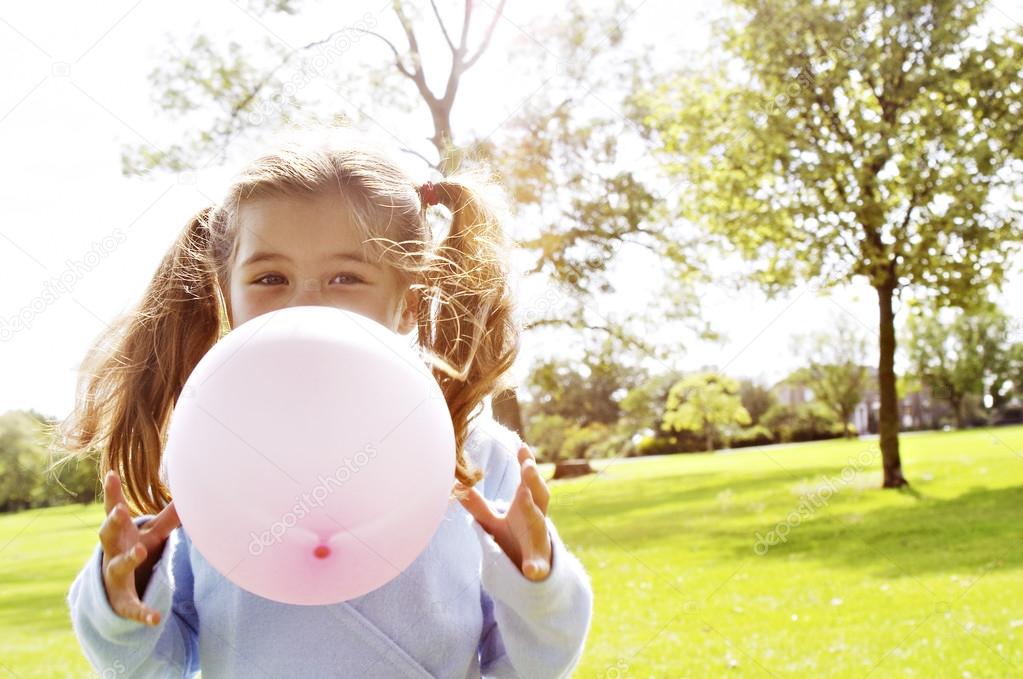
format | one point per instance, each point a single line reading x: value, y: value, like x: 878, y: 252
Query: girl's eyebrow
x: 262, y: 256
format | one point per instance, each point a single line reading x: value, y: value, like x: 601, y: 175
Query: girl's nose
x: 309, y: 293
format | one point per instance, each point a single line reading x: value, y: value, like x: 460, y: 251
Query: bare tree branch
x: 240, y: 106
x: 443, y: 28
x: 397, y: 55
x: 418, y: 76
x: 465, y: 26
x: 486, y: 38
x: 435, y: 166
x: 616, y: 331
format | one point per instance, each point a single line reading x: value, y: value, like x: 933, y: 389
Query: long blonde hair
x: 131, y: 378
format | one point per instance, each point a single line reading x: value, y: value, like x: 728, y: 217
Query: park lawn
x: 867, y: 581
x: 874, y: 581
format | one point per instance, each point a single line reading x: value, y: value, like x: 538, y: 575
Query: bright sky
x: 78, y: 241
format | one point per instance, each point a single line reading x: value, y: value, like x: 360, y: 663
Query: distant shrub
x: 546, y: 434
x: 580, y: 442
x: 804, y: 422
x: 757, y: 435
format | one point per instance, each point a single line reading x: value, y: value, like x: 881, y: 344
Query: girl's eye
x: 277, y: 279
x: 351, y: 279
x: 270, y: 276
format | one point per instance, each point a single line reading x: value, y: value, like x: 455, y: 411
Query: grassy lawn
x: 687, y: 577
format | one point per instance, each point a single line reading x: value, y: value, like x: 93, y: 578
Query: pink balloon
x: 311, y: 455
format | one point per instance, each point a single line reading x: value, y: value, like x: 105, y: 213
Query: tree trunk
x: 957, y: 407
x: 888, y: 420
x: 846, y: 416
x: 505, y: 405
x: 710, y: 439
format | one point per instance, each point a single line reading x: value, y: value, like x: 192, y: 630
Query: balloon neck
x: 321, y: 552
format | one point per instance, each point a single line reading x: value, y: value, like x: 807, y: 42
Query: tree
x: 756, y: 399
x: 567, y: 158
x: 836, y: 371
x: 27, y: 477
x: 547, y: 435
x: 580, y: 442
x: 241, y: 90
x: 643, y: 406
x: 20, y: 460
x: 958, y: 352
x: 855, y: 138
x: 704, y: 402
x: 803, y: 422
x: 583, y: 391
x: 245, y: 96
x: 1006, y: 367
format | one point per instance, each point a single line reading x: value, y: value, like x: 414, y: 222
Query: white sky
x: 76, y: 90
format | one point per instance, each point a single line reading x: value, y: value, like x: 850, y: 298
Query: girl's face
x: 301, y: 251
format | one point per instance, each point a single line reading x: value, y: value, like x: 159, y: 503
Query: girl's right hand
x: 130, y: 552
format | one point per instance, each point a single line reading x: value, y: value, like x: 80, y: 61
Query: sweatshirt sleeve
x: 127, y: 648
x: 530, y: 628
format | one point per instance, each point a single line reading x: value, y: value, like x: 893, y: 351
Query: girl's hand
x: 522, y: 531
x: 129, y: 552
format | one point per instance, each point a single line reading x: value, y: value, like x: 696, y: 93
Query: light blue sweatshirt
x: 461, y: 609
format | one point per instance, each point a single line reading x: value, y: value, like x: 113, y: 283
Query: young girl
x: 496, y: 593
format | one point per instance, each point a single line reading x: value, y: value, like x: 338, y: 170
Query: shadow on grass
x: 639, y: 513
x: 979, y: 529
x: 36, y: 609
x: 975, y: 531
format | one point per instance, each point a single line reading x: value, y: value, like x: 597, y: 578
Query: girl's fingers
x: 121, y: 568
x: 525, y: 453
x: 130, y: 607
x: 108, y: 533
x: 530, y: 509
x: 119, y: 577
x: 112, y: 531
x: 535, y: 542
x: 123, y: 553
x: 480, y: 509
x: 534, y: 565
x: 111, y: 491
x: 537, y: 488
x: 161, y: 525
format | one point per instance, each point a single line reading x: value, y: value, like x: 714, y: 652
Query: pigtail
x: 468, y: 328
x: 132, y: 377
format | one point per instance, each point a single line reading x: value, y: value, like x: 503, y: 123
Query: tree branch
x: 612, y: 331
x: 435, y: 166
x: 417, y: 75
x: 397, y: 55
x: 465, y: 26
x: 443, y: 28
x: 486, y: 38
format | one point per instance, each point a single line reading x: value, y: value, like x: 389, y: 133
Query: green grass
x: 41, y: 551
x: 874, y: 582
x: 885, y: 583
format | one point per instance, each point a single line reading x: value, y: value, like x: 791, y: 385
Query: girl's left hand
x: 522, y: 531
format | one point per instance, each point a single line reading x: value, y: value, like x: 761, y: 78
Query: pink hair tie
x: 428, y: 193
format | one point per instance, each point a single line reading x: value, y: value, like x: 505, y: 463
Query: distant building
x: 918, y: 409
x: 792, y: 392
